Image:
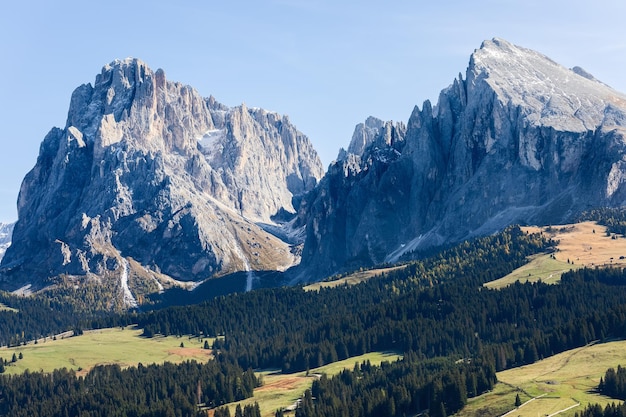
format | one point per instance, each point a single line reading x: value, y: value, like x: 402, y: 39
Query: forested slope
x: 454, y: 333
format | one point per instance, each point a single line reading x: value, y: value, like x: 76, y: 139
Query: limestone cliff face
x: 150, y: 181
x: 6, y: 231
x: 519, y: 140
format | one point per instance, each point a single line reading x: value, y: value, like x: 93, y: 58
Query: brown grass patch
x: 352, y: 279
x: 280, y: 384
x: 579, y: 244
x: 185, y: 352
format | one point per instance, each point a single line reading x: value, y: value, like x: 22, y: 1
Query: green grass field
x: 352, y: 279
x: 541, y: 267
x: 281, y: 391
x: 125, y: 347
x: 564, y: 380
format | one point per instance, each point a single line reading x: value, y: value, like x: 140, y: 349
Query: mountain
x: 520, y: 139
x: 149, y: 185
x: 6, y: 231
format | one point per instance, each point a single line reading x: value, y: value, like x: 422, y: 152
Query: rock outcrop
x: 520, y: 139
x: 151, y: 182
x: 6, y: 231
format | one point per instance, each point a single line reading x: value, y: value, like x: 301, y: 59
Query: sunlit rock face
x: 150, y: 179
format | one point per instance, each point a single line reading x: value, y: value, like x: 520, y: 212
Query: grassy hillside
x: 352, y: 279
x: 556, y: 383
x: 541, y: 267
x: 281, y: 391
x: 107, y: 346
x: 127, y: 348
x: 585, y: 244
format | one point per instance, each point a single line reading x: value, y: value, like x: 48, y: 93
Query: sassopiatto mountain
x: 150, y: 185
x: 519, y: 139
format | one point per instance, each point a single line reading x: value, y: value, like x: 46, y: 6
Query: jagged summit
x: 519, y: 139
x: 550, y: 94
x: 150, y: 184
x: 373, y: 133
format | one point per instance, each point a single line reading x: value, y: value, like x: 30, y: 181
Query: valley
x: 126, y: 347
x: 435, y: 306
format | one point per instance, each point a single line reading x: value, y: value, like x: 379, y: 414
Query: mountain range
x: 150, y: 186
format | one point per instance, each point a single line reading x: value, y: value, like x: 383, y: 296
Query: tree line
x: 454, y: 333
x: 614, y: 218
x: 294, y: 329
x: 612, y: 384
x: 297, y: 330
x: 409, y: 386
x: 108, y: 390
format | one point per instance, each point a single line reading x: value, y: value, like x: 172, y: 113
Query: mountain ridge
x: 520, y: 139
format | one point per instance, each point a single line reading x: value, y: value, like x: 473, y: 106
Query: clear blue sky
x: 328, y: 64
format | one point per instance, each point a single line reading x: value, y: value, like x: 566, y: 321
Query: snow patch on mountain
x: 212, y: 142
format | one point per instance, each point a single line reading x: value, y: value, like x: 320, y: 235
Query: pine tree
x: 518, y: 401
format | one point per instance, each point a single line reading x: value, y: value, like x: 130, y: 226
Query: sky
x: 328, y: 64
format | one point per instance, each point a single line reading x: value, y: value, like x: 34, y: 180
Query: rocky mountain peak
x: 519, y: 139
x: 373, y: 133
x: 150, y: 181
x: 130, y: 101
x: 364, y: 134
x: 548, y: 93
